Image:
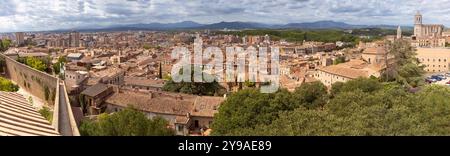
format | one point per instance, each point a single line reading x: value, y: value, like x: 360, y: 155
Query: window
x: 196, y: 124
x: 180, y: 127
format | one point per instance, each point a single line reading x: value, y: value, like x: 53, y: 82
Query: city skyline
x: 47, y: 15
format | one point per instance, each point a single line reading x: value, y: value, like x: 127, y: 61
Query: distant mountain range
x: 235, y: 25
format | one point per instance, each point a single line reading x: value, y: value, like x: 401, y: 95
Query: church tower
x: 399, y: 33
x: 418, y: 24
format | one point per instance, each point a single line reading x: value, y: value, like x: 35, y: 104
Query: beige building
x: 20, y: 39
x: 375, y: 53
x: 347, y: 71
x: 435, y: 60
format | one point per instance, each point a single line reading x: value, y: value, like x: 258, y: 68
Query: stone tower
x: 418, y: 24
x: 399, y: 33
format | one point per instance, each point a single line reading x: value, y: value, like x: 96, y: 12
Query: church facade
x: 427, y: 35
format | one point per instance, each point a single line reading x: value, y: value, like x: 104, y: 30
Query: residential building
x: 94, y: 96
x: 434, y: 59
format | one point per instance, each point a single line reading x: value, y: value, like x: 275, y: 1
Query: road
x: 64, y: 121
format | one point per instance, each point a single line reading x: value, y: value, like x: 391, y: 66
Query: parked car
x: 442, y: 76
x: 430, y: 80
x: 437, y: 78
x: 447, y: 74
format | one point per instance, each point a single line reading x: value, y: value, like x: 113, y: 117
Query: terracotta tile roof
x: 95, y: 89
x: 164, y: 104
x: 140, y: 81
x: 373, y: 50
x: 206, y: 106
x: 167, y: 103
x: 352, y: 69
x: 344, y: 71
x: 19, y: 118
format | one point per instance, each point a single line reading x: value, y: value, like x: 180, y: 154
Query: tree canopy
x: 127, y: 122
x: 198, y: 88
x: 5, y: 44
x: 35, y: 63
x: 362, y: 106
x: 57, y: 65
x: 405, y: 69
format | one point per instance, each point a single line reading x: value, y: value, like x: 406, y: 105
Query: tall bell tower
x: 418, y: 24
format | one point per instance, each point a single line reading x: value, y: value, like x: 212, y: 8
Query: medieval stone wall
x: 39, y: 84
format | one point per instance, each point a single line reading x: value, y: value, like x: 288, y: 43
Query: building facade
x: 435, y: 60
x: 20, y: 38
x: 427, y: 35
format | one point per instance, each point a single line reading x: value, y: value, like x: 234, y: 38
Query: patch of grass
x: 46, y: 113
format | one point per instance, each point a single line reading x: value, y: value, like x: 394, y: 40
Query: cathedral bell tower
x: 418, y: 24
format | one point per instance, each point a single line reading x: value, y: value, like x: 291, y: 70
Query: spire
x: 418, y: 12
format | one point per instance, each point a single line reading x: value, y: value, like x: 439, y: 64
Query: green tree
x: 5, y: 44
x: 338, y: 60
x: 249, y: 107
x: 128, y: 122
x: 35, y: 63
x: 198, y: 88
x: 46, y: 113
x: 311, y: 94
x: 405, y: 69
x: 363, y: 84
x: 57, y: 65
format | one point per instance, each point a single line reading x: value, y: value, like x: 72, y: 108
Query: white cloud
x: 30, y: 15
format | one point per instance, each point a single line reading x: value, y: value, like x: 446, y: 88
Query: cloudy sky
x: 32, y: 15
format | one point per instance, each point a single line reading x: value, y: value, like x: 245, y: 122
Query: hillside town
x: 107, y: 72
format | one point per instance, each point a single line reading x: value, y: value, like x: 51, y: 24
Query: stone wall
x: 39, y: 84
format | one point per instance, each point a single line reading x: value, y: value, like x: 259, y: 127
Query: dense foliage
x: 300, y: 35
x: 405, y: 69
x: 249, y: 108
x: 128, y: 122
x: 198, y: 88
x: 57, y: 65
x: 324, y: 35
x: 358, y: 107
x: 46, y: 113
x: 5, y: 44
x: 34, y: 62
